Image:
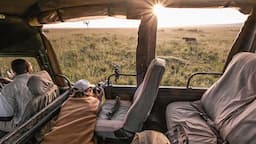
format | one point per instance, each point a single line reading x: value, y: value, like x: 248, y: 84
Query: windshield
x: 92, y: 53
x: 195, y: 49
x: 90, y: 50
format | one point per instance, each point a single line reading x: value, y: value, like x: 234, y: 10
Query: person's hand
x: 10, y: 74
x: 99, y: 92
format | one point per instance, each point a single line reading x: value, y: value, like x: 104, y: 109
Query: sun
x: 158, y: 10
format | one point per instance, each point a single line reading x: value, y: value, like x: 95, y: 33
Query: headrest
x: 39, y: 83
x: 44, y: 75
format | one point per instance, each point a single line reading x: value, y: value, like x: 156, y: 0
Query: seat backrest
x: 145, y: 96
x: 233, y: 91
x: 44, y: 91
x: 240, y: 128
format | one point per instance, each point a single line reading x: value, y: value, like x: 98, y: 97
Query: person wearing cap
x: 85, y: 88
x: 76, y: 121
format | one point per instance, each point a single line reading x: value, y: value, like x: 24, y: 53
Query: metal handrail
x: 117, y: 76
x: 66, y: 78
x: 30, y: 126
x: 201, y: 73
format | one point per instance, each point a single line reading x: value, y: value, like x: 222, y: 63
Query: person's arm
x: 99, y: 92
x: 6, y: 102
x: 5, y: 80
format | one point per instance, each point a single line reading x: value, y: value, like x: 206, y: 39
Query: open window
x: 94, y: 53
x: 195, y: 54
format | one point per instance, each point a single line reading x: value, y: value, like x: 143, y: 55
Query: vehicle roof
x: 48, y: 11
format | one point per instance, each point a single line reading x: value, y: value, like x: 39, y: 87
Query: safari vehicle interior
x: 169, y: 108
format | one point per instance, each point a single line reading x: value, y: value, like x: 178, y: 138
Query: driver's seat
x: 130, y: 116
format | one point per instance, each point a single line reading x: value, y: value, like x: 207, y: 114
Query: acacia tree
x: 86, y: 23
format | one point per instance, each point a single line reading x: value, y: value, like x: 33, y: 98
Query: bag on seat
x: 150, y: 137
x: 177, y: 135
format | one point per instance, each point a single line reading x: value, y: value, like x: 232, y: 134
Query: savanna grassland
x: 91, y: 53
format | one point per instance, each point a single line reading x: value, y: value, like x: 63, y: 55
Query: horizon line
x: 135, y: 27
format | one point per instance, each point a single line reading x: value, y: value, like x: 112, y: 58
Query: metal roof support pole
x: 146, y: 47
x: 245, y: 41
x: 54, y: 62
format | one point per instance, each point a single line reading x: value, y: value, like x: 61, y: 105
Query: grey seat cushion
x: 229, y: 103
x: 116, y: 122
x: 106, y: 127
x: 196, y: 129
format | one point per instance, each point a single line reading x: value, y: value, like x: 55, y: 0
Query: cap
x: 82, y: 85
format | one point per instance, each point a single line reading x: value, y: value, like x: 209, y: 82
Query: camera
x: 96, y: 89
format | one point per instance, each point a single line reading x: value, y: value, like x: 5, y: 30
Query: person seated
x: 15, y: 96
x: 76, y: 121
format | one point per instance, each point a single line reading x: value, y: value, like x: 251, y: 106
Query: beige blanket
x: 75, y: 123
x: 150, y: 137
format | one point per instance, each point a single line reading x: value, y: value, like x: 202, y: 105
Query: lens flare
x: 158, y: 9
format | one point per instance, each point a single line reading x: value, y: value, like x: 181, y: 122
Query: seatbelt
x: 177, y: 135
x: 6, y: 118
x: 114, y: 109
x: 211, y: 124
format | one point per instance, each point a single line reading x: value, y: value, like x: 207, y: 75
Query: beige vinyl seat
x: 130, y: 116
x: 44, y: 91
x: 226, y: 111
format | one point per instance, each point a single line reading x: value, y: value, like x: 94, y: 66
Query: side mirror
x: 116, y: 72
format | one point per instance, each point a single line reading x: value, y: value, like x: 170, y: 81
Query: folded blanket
x: 75, y: 123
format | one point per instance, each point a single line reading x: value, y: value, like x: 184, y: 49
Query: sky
x: 171, y: 17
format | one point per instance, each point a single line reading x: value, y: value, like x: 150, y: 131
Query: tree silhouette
x: 86, y: 23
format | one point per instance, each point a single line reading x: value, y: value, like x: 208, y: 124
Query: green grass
x: 91, y: 53
x: 6, y: 64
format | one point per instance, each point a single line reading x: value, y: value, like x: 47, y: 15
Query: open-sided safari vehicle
x: 230, y: 111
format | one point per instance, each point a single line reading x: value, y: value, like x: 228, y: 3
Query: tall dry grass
x: 91, y: 53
